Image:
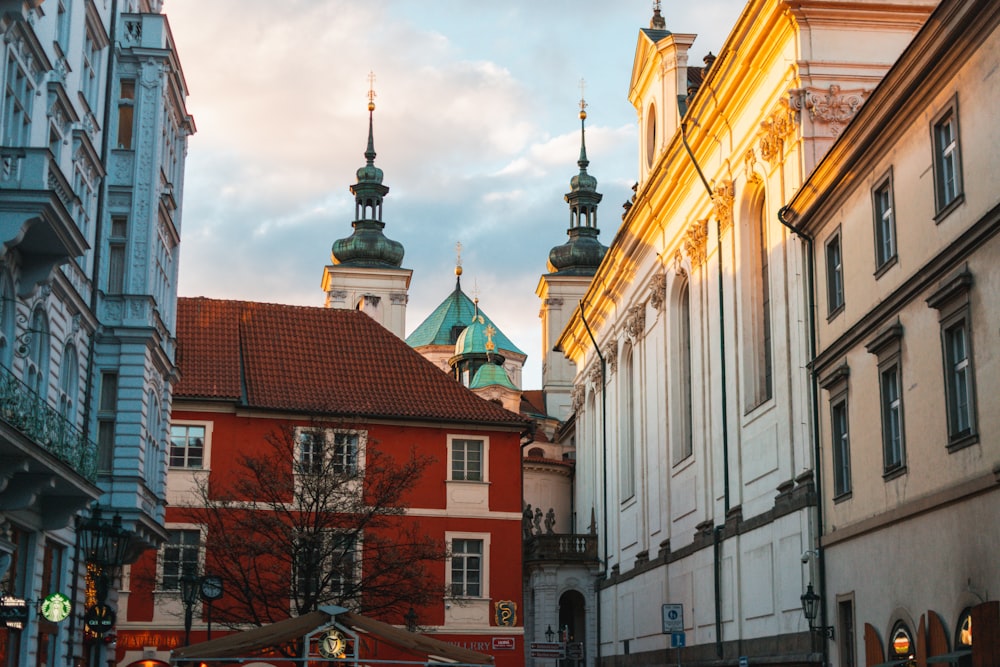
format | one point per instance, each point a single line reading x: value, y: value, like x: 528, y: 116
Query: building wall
x: 62, y: 181
x: 928, y: 520
x: 439, y: 506
x: 722, y: 529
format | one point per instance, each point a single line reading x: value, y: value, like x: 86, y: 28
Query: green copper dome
x: 582, y: 253
x: 490, y: 375
x: 367, y: 245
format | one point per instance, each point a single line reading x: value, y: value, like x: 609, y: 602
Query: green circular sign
x: 56, y: 607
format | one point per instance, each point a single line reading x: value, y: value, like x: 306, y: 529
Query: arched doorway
x: 572, y: 627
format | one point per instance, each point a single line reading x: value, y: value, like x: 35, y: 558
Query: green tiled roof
x: 449, y: 319
x: 489, y: 375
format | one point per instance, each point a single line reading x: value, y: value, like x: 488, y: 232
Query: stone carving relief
x: 554, y: 302
x: 658, y: 288
x: 399, y: 298
x: 723, y: 195
x: 696, y: 242
x: 750, y: 164
x: 779, y: 125
x: 635, y: 322
x: 577, y: 397
x: 595, y: 375
x: 833, y: 107
x: 611, y: 356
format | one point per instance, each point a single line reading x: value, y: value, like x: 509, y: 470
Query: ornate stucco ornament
x: 611, y: 356
x: 696, y: 242
x: 658, y: 290
x: 750, y: 165
x: 833, y: 107
x: 595, y: 375
x: 723, y: 195
x: 577, y: 397
x: 635, y: 322
x: 779, y: 124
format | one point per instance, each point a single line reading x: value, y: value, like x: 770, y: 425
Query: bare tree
x: 317, y: 517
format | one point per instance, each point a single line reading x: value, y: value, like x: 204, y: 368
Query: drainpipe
x: 604, y: 469
x: 716, y: 549
x: 784, y: 217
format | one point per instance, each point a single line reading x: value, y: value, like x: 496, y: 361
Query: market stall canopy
x: 250, y: 643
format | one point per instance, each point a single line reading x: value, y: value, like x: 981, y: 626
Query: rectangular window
x: 325, y: 566
x: 126, y: 111
x: 187, y: 446
x: 467, y: 460
x: 18, y: 96
x: 958, y: 385
x: 466, y: 568
x: 841, y: 448
x: 892, y: 417
x: 834, y: 275
x: 62, y: 25
x: 885, y: 224
x: 328, y: 451
x: 947, y: 160
x: 90, y: 76
x: 106, y: 407
x: 179, y: 557
x: 116, y: 254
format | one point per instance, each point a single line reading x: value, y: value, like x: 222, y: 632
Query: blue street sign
x: 677, y: 639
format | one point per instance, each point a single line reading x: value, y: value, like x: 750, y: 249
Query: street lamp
x: 810, y: 607
x: 105, y: 546
x: 190, y: 585
x: 549, y: 634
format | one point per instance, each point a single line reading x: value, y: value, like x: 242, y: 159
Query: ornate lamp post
x: 411, y: 620
x: 190, y: 587
x: 550, y: 634
x: 810, y: 607
x: 105, y: 546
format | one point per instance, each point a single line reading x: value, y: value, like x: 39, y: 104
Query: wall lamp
x: 810, y: 607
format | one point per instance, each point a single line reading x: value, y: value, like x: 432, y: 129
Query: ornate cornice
x: 696, y: 242
x: 723, y: 195
x: 779, y: 124
x: 833, y: 107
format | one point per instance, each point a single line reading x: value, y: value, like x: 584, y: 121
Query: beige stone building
x: 904, y: 212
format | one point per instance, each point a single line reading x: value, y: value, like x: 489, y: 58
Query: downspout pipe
x: 604, y: 468
x: 785, y: 215
x: 716, y: 548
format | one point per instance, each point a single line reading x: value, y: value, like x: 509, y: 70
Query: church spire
x: 367, y: 245
x: 582, y: 253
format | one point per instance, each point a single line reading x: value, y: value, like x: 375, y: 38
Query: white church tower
x: 366, y: 273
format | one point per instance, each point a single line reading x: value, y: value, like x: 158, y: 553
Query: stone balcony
x: 575, y: 547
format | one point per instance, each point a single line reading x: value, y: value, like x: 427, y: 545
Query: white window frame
x: 202, y: 532
x: 484, y: 584
x: 206, y: 451
x: 485, y: 471
x: 835, y: 296
x: 357, y: 550
x: 884, y: 214
x: 330, y: 436
x: 947, y: 160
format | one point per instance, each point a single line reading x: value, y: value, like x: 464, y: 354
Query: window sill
x: 893, y: 473
x: 947, y: 209
x: 832, y: 315
x: 883, y: 268
x: 846, y: 495
x: 961, y: 442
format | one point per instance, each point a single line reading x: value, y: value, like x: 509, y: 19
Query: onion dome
x: 582, y: 253
x: 474, y: 338
x: 367, y: 245
x: 491, y: 375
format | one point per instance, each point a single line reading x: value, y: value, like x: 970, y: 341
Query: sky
x: 476, y: 128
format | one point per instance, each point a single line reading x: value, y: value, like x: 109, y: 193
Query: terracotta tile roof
x: 316, y: 360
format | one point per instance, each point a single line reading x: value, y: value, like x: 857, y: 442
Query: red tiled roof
x: 316, y: 360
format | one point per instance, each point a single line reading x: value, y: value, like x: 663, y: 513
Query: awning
x: 244, y: 645
x: 954, y: 656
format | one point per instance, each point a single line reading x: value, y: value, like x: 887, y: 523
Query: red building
x: 313, y: 393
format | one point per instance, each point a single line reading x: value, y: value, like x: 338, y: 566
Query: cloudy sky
x: 476, y: 129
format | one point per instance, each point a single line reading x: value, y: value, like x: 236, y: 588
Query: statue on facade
x: 550, y: 521
x: 527, y: 515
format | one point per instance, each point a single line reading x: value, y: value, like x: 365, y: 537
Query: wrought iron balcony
x: 562, y: 548
x: 29, y: 413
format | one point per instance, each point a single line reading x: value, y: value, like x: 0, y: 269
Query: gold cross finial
x: 583, y: 102
x: 458, y: 253
x: 371, y: 91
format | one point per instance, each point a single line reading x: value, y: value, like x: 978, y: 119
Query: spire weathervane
x: 583, y: 101
x: 458, y: 259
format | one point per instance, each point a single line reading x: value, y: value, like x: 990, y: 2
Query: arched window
x: 38, y: 353
x: 628, y: 417
x: 758, y: 382
x: 680, y: 375
x: 69, y: 373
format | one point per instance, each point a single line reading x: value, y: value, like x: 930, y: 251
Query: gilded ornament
x: 696, y: 242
